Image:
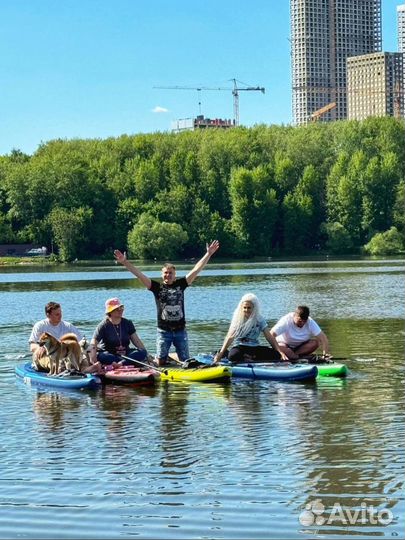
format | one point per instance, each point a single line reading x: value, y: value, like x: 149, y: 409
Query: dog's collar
x: 51, y: 352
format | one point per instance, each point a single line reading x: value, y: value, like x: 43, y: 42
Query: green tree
x: 205, y: 226
x: 174, y: 205
x: 390, y: 242
x: 345, y: 195
x: 147, y: 180
x: 380, y: 184
x: 219, y: 153
x: 251, y: 187
x: 254, y: 209
x: 183, y: 167
x: 338, y: 238
x: 298, y: 212
x: 337, y: 172
x: 150, y: 239
x: 285, y: 174
x: 6, y: 232
x: 399, y: 206
x: 69, y: 228
x: 310, y: 192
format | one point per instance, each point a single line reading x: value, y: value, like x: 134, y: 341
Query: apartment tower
x: 375, y: 85
x: 324, y: 33
x: 401, y: 28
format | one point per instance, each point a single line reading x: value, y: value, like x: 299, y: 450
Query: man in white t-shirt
x: 299, y: 335
x: 54, y: 325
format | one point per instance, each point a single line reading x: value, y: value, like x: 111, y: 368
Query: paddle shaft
x: 321, y: 358
x: 176, y: 359
x: 143, y: 364
x: 333, y: 358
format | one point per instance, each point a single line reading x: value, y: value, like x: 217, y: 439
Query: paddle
x: 143, y: 364
x: 318, y: 359
x: 189, y: 363
x: 174, y: 357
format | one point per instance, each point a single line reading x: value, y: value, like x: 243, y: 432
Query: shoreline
x: 318, y: 257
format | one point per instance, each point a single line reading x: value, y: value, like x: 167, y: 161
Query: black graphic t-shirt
x: 170, y: 304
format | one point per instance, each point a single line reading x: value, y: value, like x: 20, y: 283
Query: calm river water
x: 250, y: 459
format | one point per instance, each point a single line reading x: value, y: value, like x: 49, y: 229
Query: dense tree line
x: 262, y: 191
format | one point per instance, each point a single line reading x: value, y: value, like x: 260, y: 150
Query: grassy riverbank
x: 37, y: 261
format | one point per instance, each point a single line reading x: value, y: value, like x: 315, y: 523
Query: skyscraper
x: 323, y: 34
x: 374, y: 85
x: 401, y: 47
x: 401, y: 28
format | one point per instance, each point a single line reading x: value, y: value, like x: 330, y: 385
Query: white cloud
x: 158, y: 109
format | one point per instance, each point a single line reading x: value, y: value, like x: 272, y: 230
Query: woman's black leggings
x: 261, y: 353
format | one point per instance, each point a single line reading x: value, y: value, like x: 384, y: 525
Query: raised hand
x: 213, y: 247
x: 119, y: 256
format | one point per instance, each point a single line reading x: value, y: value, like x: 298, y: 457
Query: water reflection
x: 52, y: 408
x: 185, y: 460
x: 119, y: 405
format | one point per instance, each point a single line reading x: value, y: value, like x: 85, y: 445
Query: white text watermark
x: 315, y: 513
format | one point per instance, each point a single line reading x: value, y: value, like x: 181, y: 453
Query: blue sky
x: 88, y: 68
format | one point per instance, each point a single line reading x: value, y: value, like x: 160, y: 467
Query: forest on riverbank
x: 262, y: 191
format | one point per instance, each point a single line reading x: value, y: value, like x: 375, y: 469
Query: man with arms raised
x: 169, y: 298
x: 297, y: 334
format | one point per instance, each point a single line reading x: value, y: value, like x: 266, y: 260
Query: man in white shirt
x: 299, y: 335
x: 54, y: 325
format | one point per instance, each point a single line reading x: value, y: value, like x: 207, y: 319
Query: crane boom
x: 318, y: 113
x: 235, y: 93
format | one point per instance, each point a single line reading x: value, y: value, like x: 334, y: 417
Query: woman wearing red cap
x: 113, y: 336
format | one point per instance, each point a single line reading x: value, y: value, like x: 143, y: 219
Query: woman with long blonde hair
x: 246, y: 326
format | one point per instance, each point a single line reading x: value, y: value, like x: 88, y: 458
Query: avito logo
x: 314, y: 514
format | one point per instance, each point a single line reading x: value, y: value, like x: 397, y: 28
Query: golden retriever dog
x: 65, y: 353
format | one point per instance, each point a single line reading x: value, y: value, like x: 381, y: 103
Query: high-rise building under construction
x: 324, y: 33
x: 375, y: 85
x: 401, y: 27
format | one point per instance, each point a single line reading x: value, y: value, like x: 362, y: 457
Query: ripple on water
x: 209, y: 461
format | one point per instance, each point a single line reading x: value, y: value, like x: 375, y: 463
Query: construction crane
x: 235, y: 93
x: 319, y: 112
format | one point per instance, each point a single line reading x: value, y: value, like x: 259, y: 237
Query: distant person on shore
x: 113, y: 336
x: 54, y: 325
x: 169, y: 298
x: 246, y: 326
x: 298, y: 335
